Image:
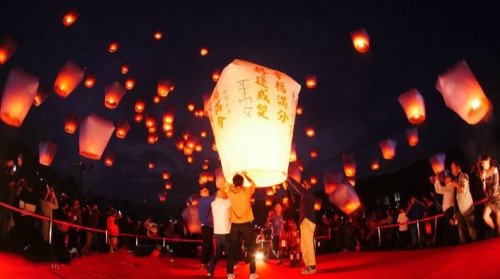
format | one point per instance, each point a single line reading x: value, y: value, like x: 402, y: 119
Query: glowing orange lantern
x: 198, y: 147
x: 158, y: 35
x: 165, y: 87
x: 89, y: 81
x: 112, y: 47
x: 129, y: 83
x: 203, y: 134
x: 7, y: 48
x: 18, y: 95
x: 68, y: 79
x: 463, y: 94
x: 190, y: 107
x: 293, y: 153
x: 349, y: 165
x: 205, y: 164
x: 46, y: 152
x: 190, y: 159
x: 220, y: 180
x: 95, y: 133
x: 139, y: 106
x: 169, y: 134
x: 70, y: 17
x: 151, y: 120
x: 317, y: 203
x: 374, y: 165
x: 412, y: 136
x: 437, y: 162
x: 167, y: 127
x: 269, y: 191
x: 360, y: 40
x: 313, y: 152
x: 413, y: 105
x: 156, y: 99
x: 214, y: 147
x: 388, y: 148
x: 152, y: 138
x: 215, y: 75
x: 122, y: 128
x: 311, y: 82
x: 229, y: 118
x: 294, y: 171
x: 124, y: 69
x: 168, y: 185
x: 345, y: 198
x: 41, y: 95
x: 299, y: 110
x: 351, y: 181
x: 162, y: 196
x: 331, y: 180
x: 203, y: 51
x: 71, y: 123
x: 313, y: 180
x: 252, y: 199
x: 168, y: 115
x: 310, y: 132
x: 109, y: 158
x: 180, y: 145
x: 203, y: 178
x: 113, y: 95
x: 138, y: 117
x: 166, y: 175
x: 269, y: 201
x: 151, y: 165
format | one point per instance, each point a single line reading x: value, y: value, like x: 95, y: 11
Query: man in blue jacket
x: 207, y: 227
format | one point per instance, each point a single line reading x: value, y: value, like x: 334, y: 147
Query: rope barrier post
x: 163, y: 241
x: 435, y: 229
x: 136, y: 240
x: 50, y: 230
x: 418, y: 232
x: 106, y: 236
x: 379, y: 237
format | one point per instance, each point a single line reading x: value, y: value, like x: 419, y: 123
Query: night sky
x: 353, y: 106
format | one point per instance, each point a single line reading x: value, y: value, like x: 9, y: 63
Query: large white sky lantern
x: 463, y: 94
x: 46, y: 152
x: 252, y: 112
x: 437, y: 162
x: 95, y: 133
x: 345, y: 198
x: 18, y: 95
x: 413, y: 105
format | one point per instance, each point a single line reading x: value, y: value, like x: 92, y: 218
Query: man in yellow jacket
x: 242, y: 217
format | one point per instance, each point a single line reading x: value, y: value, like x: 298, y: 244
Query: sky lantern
x: 203, y: 51
x: 269, y: 191
x: 317, y: 203
x: 7, y: 48
x: 190, y: 159
x: 374, y: 165
x: 162, y: 196
x: 299, y: 110
x: 158, y: 35
x: 180, y: 145
x: 165, y: 86
x: 190, y: 107
x: 310, y: 132
x: 360, y: 40
x: 437, y: 162
x: 215, y: 75
x: 124, y: 69
x: 156, y: 99
x: 331, y: 180
x: 214, y: 147
x: 71, y: 123
x: 153, y: 128
x: 89, y: 81
x: 463, y: 94
x: 239, y: 118
x: 203, y: 178
x: 413, y: 105
x: 122, y: 128
x: 349, y: 165
x: 205, y: 164
x: 138, y: 117
x: 220, y: 180
x: 166, y: 175
x: 293, y: 153
x: 388, y: 148
x: 412, y: 136
x: 167, y: 127
x: 169, y: 134
x: 168, y: 185
x: 198, y: 147
x: 109, y: 158
x: 311, y: 81
x: 129, y: 83
x: 46, y: 152
x: 95, y: 133
x: 139, y: 106
x: 294, y: 171
x: 112, y: 47
x: 313, y: 152
x: 70, y: 17
x: 113, y: 95
x: 345, y: 198
x: 152, y: 138
x: 68, y: 79
x: 269, y: 201
x: 151, y: 165
x: 18, y: 96
x: 313, y: 179
x: 168, y: 115
x: 41, y: 95
x: 203, y: 134
x: 151, y: 120
x: 351, y: 181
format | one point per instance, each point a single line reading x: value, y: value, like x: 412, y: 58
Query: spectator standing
x: 48, y: 203
x: 207, y: 227
x: 465, y: 204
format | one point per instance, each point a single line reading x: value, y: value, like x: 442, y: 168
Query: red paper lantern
x: 203, y: 51
x: 152, y: 138
x: 360, y: 40
x: 165, y: 86
x: 313, y: 152
x: 412, y: 136
x: 345, y: 198
x: 41, y: 95
x: 311, y: 82
x: 168, y: 115
x: 388, y: 148
x: 124, y: 69
x: 166, y: 175
x: 71, y: 123
x: 70, y: 17
x: 113, y: 95
x: 122, y: 128
x: 294, y: 171
x: 413, y: 105
x: 156, y: 99
x: 317, y: 203
x: 168, y: 185
x: 162, y: 196
x: 158, y: 35
x: 299, y: 110
x: 89, y: 81
x: 138, y: 117
x: 95, y: 133
x: 7, y: 48
x: 331, y: 180
x: 112, y: 47
x: 215, y: 75
x: 374, y: 165
x: 109, y: 158
x: 139, y: 106
x: 129, y: 83
x: 310, y: 132
x: 68, y: 79
x: 46, y: 152
x: 151, y: 165
x: 18, y: 96
x: 349, y: 165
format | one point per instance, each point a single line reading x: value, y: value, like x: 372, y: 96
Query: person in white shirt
x: 465, y: 204
x: 447, y: 190
x: 222, y: 227
x: 404, y: 236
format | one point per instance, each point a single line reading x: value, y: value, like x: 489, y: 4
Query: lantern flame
x: 360, y: 40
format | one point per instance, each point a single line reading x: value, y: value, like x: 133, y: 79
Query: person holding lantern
x: 490, y: 178
x: 464, y: 203
x: 307, y: 225
x: 242, y: 217
x: 207, y: 226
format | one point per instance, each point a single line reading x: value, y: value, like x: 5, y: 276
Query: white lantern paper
x: 388, y: 148
x: 413, y: 105
x: 345, y: 198
x: 437, y: 162
x: 68, y: 79
x: 95, y: 133
x: 463, y: 94
x: 46, y: 152
x: 252, y: 113
x: 220, y: 180
x: 18, y: 95
x: 113, y: 95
